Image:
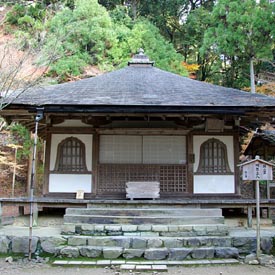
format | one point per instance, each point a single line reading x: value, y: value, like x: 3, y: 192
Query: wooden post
x: 35, y: 215
x: 1, y: 214
x: 258, y: 251
x: 249, y: 216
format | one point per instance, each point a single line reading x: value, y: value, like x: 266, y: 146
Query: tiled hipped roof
x: 142, y: 84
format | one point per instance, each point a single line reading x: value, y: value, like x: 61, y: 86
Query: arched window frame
x: 74, y: 151
x: 213, y: 158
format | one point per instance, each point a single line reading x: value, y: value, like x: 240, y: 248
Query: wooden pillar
x: 190, y: 164
x: 95, y: 158
x: 236, y: 160
x: 47, y: 164
x: 249, y: 216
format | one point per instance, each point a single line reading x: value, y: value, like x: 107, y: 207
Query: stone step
x: 161, y: 253
x: 146, y: 242
x: 145, y: 230
x: 135, y: 220
x: 184, y: 212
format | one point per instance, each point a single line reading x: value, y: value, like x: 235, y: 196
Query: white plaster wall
x: 72, y: 123
x: 214, y: 184
x: 211, y: 184
x: 71, y: 182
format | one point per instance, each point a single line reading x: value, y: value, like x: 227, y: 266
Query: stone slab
x: 117, y: 262
x: 127, y: 267
x: 103, y: 262
x: 143, y: 267
x: 60, y: 263
x: 159, y: 267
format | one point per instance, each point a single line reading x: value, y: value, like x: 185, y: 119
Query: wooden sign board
x: 80, y: 194
x: 257, y: 169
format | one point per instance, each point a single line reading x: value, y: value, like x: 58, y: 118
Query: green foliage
x: 21, y: 136
x: 15, y: 14
x: 83, y: 36
x: 69, y: 66
x: 90, y: 35
x: 239, y: 30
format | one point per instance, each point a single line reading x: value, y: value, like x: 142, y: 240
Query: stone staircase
x: 142, y: 230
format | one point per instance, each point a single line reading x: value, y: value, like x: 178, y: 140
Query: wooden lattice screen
x: 113, y: 177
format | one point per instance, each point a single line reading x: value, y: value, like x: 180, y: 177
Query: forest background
x: 210, y: 40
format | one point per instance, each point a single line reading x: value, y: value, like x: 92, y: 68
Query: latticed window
x: 213, y: 158
x: 71, y: 156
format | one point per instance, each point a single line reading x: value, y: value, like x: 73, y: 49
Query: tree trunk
x: 252, y: 77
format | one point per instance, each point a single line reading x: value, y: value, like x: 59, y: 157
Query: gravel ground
x: 25, y: 267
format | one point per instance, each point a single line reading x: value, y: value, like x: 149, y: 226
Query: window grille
x: 71, y: 156
x: 213, y: 158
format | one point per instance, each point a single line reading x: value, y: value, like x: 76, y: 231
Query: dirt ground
x: 22, y: 268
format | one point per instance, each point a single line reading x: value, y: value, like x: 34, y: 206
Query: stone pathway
x: 144, y: 265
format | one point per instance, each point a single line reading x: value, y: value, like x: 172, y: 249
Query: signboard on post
x: 257, y: 169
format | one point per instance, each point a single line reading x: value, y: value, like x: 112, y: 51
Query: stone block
x: 199, y: 230
x: 77, y: 240
x: 203, y: 253
x: 124, y: 242
x: 101, y: 241
x: 250, y: 257
x: 49, y: 244
x: 112, y: 252
x: 266, y: 245
x: 117, y: 262
x: 266, y: 260
x: 223, y: 229
x: 154, y: 243
x: 160, y: 228
x: 129, y: 228
x: 173, y: 243
x: 144, y: 227
x: 99, y: 228
x: 245, y: 245
x: 173, y: 228
x: 222, y: 242
x: 204, y: 241
x: 103, y: 262
x: 193, y: 242
x: 179, y: 254
x: 69, y: 251
x: 185, y: 228
x: 156, y: 253
x: 90, y: 251
x: 4, y: 244
x: 143, y: 267
x: 68, y: 229
x: 21, y: 244
x: 87, y: 229
x: 127, y: 267
x: 212, y: 230
x: 139, y: 243
x: 113, y: 228
x: 226, y: 252
x: 132, y: 253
